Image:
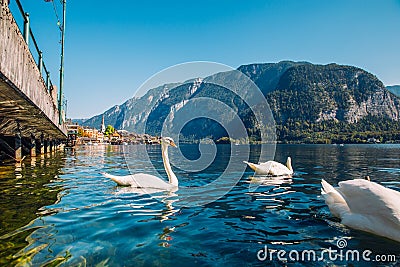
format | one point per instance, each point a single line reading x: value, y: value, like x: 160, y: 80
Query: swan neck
x: 171, y: 175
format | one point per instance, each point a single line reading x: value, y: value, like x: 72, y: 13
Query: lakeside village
x: 81, y: 135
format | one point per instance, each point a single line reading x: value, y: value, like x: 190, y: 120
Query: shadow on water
x: 25, y: 188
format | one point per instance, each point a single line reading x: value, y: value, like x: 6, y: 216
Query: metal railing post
x: 26, y: 28
x: 28, y: 34
x: 48, y: 80
x: 40, y: 65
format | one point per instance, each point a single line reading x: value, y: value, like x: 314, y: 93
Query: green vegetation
x: 327, y: 132
x: 109, y: 130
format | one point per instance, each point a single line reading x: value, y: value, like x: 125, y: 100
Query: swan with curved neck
x: 143, y: 180
x: 272, y: 168
x: 165, y: 142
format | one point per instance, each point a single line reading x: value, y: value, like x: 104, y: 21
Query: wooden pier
x: 30, y: 121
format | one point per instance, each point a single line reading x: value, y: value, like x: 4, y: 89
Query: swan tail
x: 120, y: 180
x: 251, y: 165
x: 335, y: 201
x: 289, y: 164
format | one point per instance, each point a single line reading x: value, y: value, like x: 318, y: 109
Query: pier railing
x: 36, y: 52
x: 28, y: 34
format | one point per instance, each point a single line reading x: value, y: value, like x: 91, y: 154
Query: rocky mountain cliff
x: 132, y: 114
x: 304, y: 98
x: 332, y: 92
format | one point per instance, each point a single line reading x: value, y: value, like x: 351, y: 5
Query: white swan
x: 365, y: 205
x: 143, y: 180
x: 272, y: 168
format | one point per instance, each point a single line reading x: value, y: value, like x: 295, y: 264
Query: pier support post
x: 33, y: 146
x: 42, y: 144
x: 49, y: 146
x: 53, y: 146
x: 18, y: 147
x: 46, y: 146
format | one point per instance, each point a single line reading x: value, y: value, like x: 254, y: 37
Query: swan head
x: 167, y: 141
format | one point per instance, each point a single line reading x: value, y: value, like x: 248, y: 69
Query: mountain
x: 78, y: 121
x: 132, y: 114
x: 310, y: 103
x: 394, y: 89
x: 267, y: 75
x: 332, y: 92
x: 333, y: 103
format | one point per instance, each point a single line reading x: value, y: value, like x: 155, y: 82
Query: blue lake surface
x: 59, y: 211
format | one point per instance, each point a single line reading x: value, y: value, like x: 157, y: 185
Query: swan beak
x: 172, y: 144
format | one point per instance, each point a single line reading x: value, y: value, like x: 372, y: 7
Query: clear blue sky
x: 112, y: 47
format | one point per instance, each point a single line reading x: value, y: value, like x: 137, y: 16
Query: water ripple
x: 83, y: 219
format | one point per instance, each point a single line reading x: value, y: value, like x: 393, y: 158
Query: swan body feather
x: 140, y: 180
x: 272, y: 168
x: 366, y: 206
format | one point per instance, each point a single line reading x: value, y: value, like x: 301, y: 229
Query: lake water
x: 58, y: 210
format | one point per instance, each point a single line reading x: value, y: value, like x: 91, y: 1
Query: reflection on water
x: 25, y: 189
x: 60, y: 210
x: 269, y: 180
